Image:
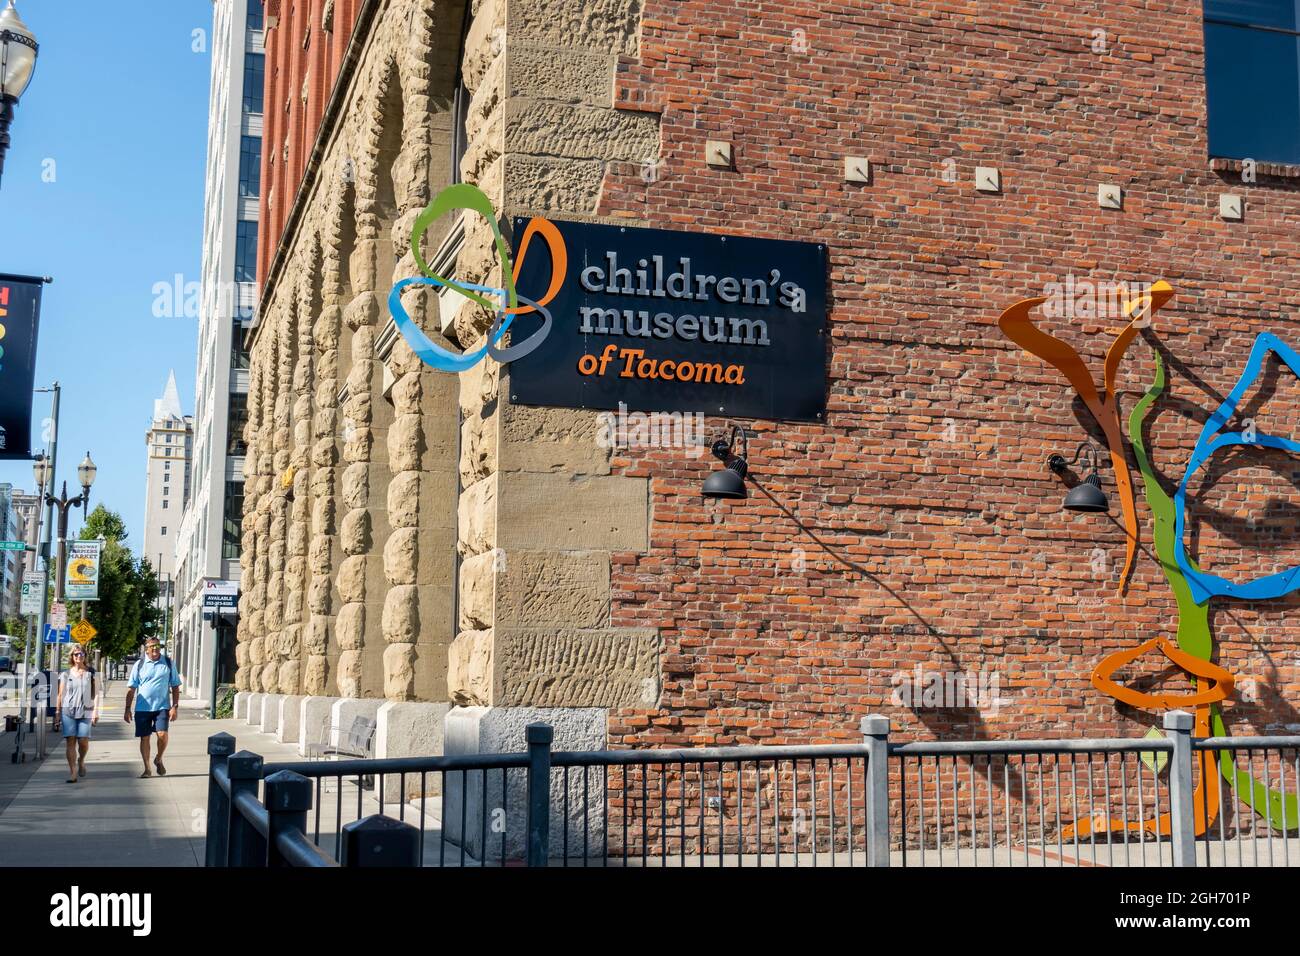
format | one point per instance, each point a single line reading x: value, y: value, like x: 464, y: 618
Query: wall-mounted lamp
x: 1087, y: 494
x: 729, y: 482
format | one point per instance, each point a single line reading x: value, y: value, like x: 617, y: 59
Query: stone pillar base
x: 471, y: 730
x: 314, y: 722
x: 410, y: 730
x: 290, y: 720
x: 270, y: 722
x: 346, y: 710
x: 241, y: 705
x: 254, y: 714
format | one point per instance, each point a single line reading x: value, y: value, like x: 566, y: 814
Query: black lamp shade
x: 725, y: 483
x: 1087, y: 496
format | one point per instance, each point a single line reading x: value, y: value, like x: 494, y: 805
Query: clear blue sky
x: 119, y: 102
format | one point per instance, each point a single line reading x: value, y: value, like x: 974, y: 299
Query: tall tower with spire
x: 170, y: 443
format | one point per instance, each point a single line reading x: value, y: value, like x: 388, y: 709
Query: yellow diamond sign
x: 83, y: 631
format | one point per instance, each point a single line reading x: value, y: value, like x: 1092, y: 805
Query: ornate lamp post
x: 18, y: 50
x: 86, y: 472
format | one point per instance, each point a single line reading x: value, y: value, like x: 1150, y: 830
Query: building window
x: 237, y: 418
x: 246, y: 251
x: 250, y: 166
x: 254, y: 14
x: 1252, y: 79
x: 460, y: 103
x: 254, y: 73
x: 232, y: 516
x: 164, y: 501
x: 164, y: 530
x: 238, y: 354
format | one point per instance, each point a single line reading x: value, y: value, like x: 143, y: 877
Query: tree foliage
x: 15, y: 628
x: 126, y: 612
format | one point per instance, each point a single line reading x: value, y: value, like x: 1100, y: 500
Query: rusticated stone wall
x: 424, y: 506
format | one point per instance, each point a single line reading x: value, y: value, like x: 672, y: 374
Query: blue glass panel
x: 1253, y: 94
x: 1284, y: 14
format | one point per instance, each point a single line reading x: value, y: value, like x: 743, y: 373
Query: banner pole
x: 48, y: 502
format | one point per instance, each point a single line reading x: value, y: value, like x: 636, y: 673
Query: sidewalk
x: 112, y: 817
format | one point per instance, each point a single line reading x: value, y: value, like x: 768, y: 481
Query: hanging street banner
x: 657, y: 320
x: 33, y: 589
x: 20, y: 312
x: 81, y: 582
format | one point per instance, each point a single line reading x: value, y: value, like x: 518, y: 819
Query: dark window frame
x: 1252, y: 81
x: 246, y: 251
x: 250, y: 166
x: 254, y: 82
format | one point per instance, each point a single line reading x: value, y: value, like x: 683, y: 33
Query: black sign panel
x: 674, y: 321
x: 20, y: 312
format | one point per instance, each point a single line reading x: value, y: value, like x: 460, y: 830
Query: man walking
x: 153, y: 680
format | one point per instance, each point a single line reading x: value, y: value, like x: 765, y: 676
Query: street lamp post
x: 18, y: 49
x: 86, y: 472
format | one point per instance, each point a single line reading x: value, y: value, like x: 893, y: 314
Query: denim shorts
x: 76, y: 726
x: 150, y: 721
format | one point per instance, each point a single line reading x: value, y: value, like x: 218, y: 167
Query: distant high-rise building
x: 207, y: 545
x: 11, y: 562
x: 170, y: 440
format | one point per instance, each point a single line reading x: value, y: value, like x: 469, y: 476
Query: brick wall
x: 945, y: 545
x: 302, y: 55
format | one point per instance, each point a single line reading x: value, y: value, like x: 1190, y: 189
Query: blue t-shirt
x: 152, y: 679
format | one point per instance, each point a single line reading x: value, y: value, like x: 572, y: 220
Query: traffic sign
x: 58, y: 615
x: 13, y: 545
x: 57, y: 635
x: 83, y: 631
x: 33, y: 590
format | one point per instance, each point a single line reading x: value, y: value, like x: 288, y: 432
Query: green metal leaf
x: 1156, y: 760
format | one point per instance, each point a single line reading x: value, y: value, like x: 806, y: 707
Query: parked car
x: 8, y: 665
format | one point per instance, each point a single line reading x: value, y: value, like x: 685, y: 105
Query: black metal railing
x: 1121, y: 802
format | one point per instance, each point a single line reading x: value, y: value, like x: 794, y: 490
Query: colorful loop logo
x: 466, y: 196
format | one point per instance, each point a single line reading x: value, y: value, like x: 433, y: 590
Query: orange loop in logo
x: 559, y: 260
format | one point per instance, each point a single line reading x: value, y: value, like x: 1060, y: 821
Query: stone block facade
x: 412, y: 535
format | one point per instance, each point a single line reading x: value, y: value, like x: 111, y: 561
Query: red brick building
x: 945, y: 542
x: 952, y: 159
x: 306, y: 44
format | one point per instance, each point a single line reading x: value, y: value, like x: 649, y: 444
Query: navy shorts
x: 150, y: 721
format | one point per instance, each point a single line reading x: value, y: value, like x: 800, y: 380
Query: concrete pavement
x: 112, y: 817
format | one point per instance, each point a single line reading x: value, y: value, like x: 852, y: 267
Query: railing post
x: 539, y: 737
x: 288, y: 798
x: 380, y: 841
x: 247, y: 846
x: 875, y: 734
x: 220, y: 747
x: 1182, y: 806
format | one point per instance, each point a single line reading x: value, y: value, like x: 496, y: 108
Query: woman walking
x: 78, y: 709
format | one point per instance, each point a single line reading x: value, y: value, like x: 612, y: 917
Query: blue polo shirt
x: 152, y: 680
